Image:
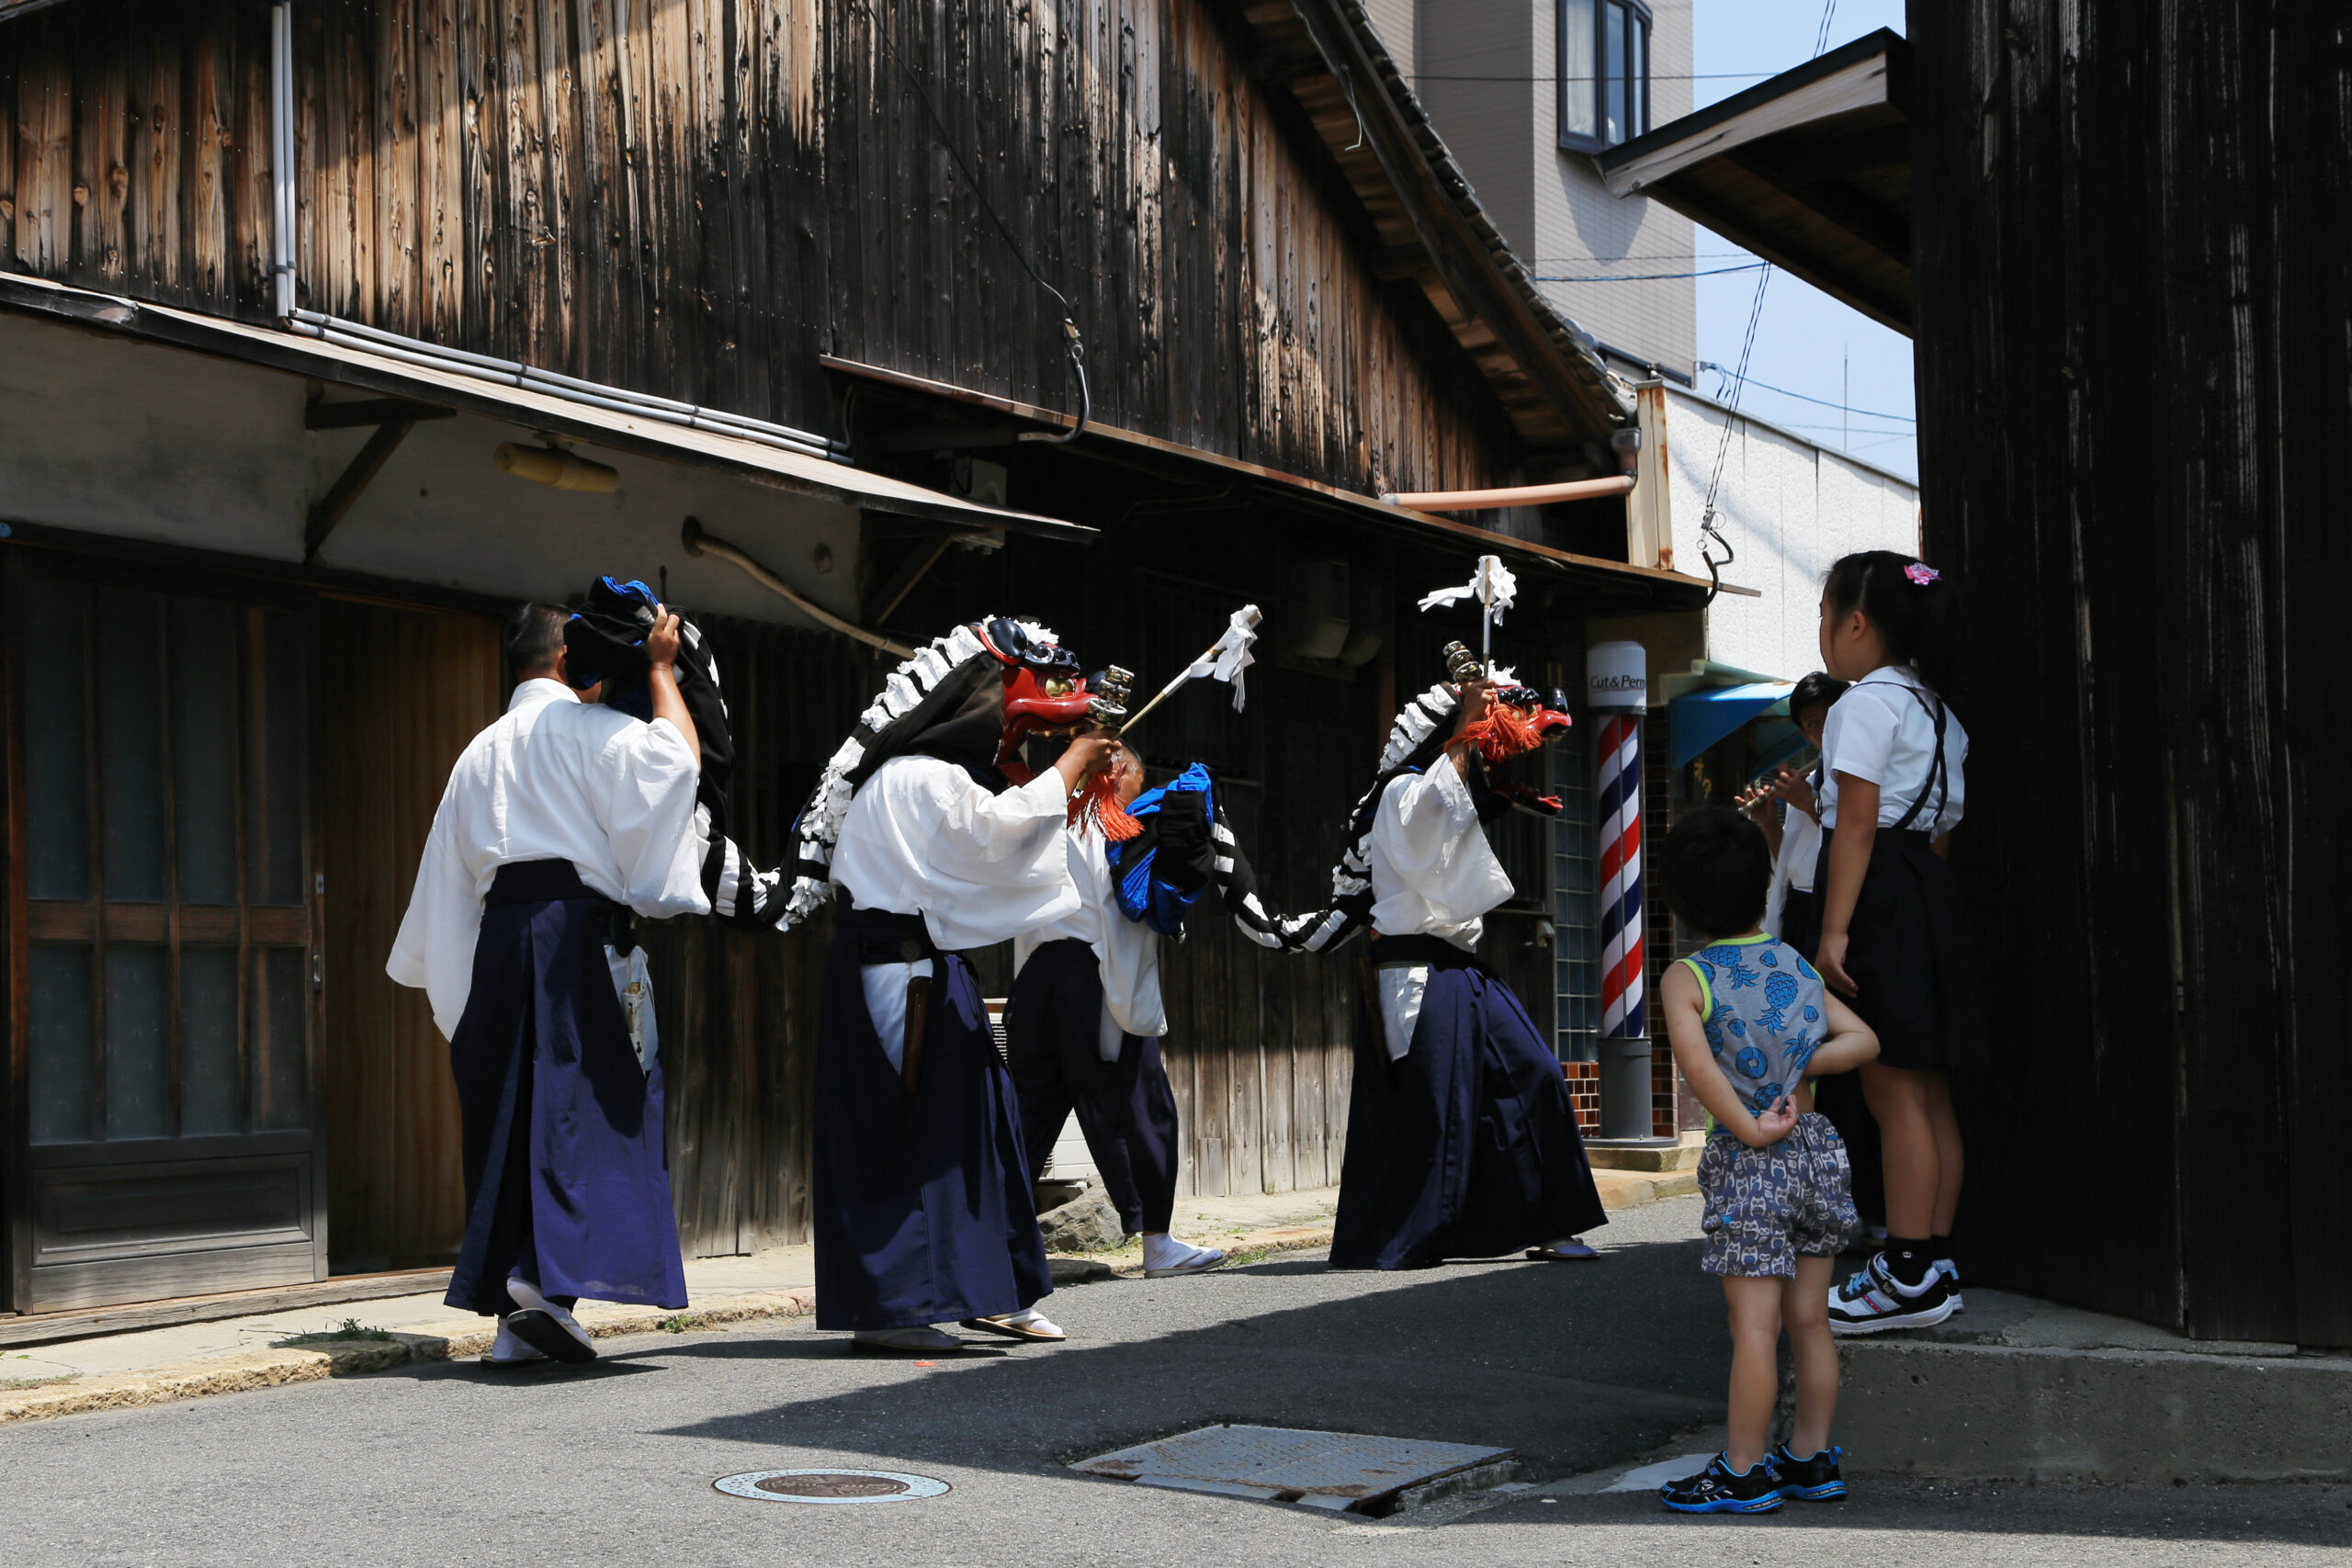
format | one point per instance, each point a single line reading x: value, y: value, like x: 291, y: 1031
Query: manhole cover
x: 830, y: 1485
x: 1323, y: 1470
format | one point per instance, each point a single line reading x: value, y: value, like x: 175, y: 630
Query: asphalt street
x: 1575, y: 1367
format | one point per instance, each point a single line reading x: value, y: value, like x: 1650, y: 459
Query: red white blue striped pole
x: 1618, y: 810
x: 1617, y: 687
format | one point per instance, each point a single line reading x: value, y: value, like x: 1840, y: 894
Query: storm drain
x: 1338, y: 1470
x: 830, y: 1486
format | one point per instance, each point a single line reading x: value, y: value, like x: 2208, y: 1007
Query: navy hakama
x: 1467, y: 1145
x: 922, y: 1200
x: 567, y: 1180
x: 1126, y: 1108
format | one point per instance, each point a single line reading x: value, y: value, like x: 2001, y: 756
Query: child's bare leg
x: 1898, y: 1099
x: 1804, y: 1312
x: 1951, y: 1160
x: 1755, y: 1305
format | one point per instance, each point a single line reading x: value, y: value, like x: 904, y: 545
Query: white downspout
x: 281, y: 159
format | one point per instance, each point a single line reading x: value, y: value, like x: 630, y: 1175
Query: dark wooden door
x: 163, y: 939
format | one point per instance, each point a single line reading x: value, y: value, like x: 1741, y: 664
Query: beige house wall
x: 1485, y: 70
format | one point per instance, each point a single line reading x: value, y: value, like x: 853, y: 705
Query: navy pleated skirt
x: 1467, y: 1147
x: 1913, y: 957
x: 922, y: 1200
x: 567, y: 1178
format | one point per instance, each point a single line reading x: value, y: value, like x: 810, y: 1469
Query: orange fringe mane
x: 1503, y: 734
x: 1098, y: 806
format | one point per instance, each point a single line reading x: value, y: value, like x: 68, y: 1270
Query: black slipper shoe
x: 542, y: 1332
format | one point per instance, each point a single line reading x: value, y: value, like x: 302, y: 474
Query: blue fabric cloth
x: 1144, y: 894
x: 1467, y: 1147
x: 1766, y: 1016
x: 566, y: 1175
x: 921, y: 1203
x: 1126, y: 1108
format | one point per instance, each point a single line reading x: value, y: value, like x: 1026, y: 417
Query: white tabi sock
x: 1030, y: 1317
x: 527, y: 1295
x: 1164, y: 1251
x: 509, y: 1347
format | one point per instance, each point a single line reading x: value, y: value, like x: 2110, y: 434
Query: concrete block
x: 1969, y: 1412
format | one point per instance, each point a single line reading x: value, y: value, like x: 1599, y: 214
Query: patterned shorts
x: 1766, y: 1208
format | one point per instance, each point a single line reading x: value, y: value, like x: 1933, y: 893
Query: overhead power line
x: 1803, y: 398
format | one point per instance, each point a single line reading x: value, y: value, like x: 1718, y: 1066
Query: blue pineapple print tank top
x: 1765, y: 1015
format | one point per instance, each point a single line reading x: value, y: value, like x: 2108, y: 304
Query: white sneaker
x: 1164, y: 1256
x: 1951, y: 1271
x: 909, y: 1340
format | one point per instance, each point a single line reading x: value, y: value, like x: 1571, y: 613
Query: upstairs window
x: 1604, y: 72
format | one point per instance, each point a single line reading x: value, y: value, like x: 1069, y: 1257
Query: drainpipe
x: 1521, y: 495
x: 281, y: 157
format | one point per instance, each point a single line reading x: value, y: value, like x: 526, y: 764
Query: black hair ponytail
x: 1917, y: 612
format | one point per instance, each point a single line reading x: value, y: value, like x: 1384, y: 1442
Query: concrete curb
x: 1960, y: 1412
x: 250, y: 1370
x: 1640, y: 1189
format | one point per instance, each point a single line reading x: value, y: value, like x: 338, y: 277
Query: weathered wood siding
x: 2136, y: 399
x: 697, y: 197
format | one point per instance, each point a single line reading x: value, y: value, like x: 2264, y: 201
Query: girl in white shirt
x: 1895, y: 938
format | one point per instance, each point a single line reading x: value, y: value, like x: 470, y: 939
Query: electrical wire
x: 1822, y: 402
x: 1654, y: 276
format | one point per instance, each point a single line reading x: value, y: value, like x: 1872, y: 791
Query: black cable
x: 1073, y: 344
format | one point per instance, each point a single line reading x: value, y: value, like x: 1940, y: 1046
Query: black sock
x: 1908, y: 1258
x: 1939, y: 1245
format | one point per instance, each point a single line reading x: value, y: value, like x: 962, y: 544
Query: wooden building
x: 277, y: 284
x: 2118, y: 234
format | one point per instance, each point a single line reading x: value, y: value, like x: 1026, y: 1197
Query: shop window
x: 1604, y: 68
x: 167, y: 883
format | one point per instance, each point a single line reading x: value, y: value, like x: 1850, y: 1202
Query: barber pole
x: 1617, y: 686
x: 1620, y: 827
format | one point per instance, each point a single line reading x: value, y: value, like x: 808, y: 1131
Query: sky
x: 1805, y: 342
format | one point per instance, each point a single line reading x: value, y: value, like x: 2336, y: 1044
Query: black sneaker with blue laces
x: 1815, y: 1479
x: 1719, y: 1490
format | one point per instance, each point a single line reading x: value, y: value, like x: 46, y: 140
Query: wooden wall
x: 697, y: 197
x: 2135, y: 395
x: 403, y: 691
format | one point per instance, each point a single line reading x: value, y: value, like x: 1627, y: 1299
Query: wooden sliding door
x: 164, y: 959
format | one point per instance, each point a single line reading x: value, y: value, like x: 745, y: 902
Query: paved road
x: 1574, y: 1367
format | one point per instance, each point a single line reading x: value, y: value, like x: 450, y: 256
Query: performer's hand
x: 661, y: 642
x: 1476, y: 698
x: 1083, y: 758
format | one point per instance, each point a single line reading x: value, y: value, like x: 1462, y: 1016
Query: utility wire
x: 1822, y: 402
x: 1653, y: 276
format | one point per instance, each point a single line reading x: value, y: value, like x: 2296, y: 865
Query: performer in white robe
x: 1084, y: 1021
x: 1462, y: 1141
x: 930, y: 839
x: 558, y: 820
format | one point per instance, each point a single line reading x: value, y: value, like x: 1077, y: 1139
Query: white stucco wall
x: 1788, y: 509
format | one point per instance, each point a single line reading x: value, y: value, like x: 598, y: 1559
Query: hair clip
x: 1921, y: 573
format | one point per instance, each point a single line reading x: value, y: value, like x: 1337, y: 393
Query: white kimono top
x: 1127, y: 950
x: 554, y: 779
x: 921, y: 838
x: 1433, y: 873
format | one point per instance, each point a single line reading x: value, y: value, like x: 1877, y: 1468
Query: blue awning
x: 1697, y: 720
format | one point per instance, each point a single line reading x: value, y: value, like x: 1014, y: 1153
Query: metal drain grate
x: 830, y: 1485
x: 1322, y: 1470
